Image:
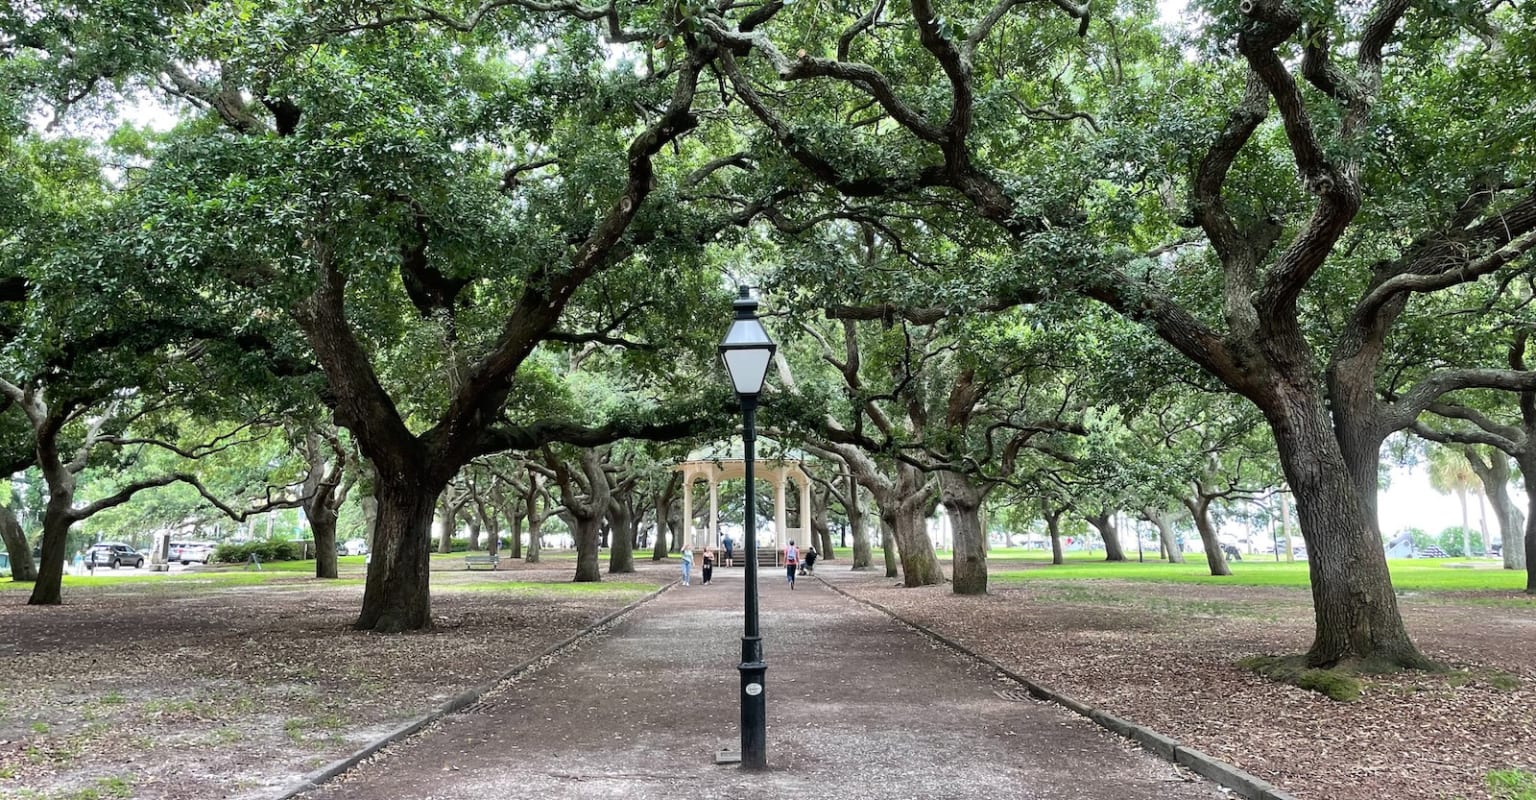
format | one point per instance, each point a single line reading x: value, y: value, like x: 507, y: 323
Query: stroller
x: 808, y: 561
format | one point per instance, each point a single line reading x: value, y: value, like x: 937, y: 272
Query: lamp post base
x: 754, y: 705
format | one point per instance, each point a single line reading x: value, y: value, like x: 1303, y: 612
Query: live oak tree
x: 396, y: 219
x: 1268, y: 250
x: 104, y: 356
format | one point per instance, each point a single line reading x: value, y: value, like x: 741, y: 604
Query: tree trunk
x: 1527, y: 468
x: 863, y: 555
x: 1164, y: 522
x: 821, y: 528
x: 888, y: 543
x: 919, y: 563
x: 397, y: 596
x: 535, y: 535
x: 493, y: 532
x: 1199, y: 510
x: 48, y: 591
x: 450, y: 523
x: 663, y: 512
x: 962, y: 498
x: 621, y: 556
x: 1495, y: 476
x: 1353, y: 603
x: 514, y: 527
x: 1053, y: 525
x: 1104, y: 521
x: 322, y: 523
x: 586, y: 532
x: 23, y: 567
x: 675, y: 528
x: 474, y: 534
x: 586, y: 516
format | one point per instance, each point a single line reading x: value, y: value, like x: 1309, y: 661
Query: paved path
x: 858, y: 707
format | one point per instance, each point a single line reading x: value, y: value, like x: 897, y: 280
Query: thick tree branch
x: 1448, y: 275
x: 608, y: 13
x: 1424, y: 431
x: 1437, y: 384
x: 1211, y: 209
x: 548, y: 292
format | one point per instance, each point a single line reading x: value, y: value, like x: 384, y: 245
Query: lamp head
x: 747, y: 349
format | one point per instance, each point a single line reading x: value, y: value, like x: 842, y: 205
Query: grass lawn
x: 1412, y: 575
x: 1437, y: 575
x: 184, y: 580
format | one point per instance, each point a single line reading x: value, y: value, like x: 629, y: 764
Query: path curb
x: 458, y: 702
x: 1219, y: 772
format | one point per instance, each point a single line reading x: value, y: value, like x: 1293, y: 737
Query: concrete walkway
x: 858, y: 707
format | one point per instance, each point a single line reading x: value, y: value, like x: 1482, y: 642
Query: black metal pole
x: 754, y: 706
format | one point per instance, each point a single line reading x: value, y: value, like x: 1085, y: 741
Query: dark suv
x: 114, y: 555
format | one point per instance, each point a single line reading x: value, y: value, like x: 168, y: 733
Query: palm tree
x: 1449, y: 473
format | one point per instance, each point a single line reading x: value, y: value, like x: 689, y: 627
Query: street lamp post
x: 747, y: 352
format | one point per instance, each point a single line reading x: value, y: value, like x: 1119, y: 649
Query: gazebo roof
x: 732, y: 450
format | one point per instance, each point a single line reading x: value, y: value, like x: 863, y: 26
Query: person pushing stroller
x: 808, y: 561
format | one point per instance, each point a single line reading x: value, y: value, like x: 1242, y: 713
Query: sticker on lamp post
x: 754, y: 689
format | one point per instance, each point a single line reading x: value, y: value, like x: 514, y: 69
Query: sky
x: 1411, y: 503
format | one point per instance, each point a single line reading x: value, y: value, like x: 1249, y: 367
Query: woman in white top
x: 791, y: 560
x: 687, y: 565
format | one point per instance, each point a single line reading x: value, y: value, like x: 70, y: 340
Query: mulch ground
x: 1163, y: 655
x: 152, y: 691
x: 164, y: 691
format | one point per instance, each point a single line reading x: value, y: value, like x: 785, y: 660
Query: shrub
x: 266, y: 550
x: 1451, y: 542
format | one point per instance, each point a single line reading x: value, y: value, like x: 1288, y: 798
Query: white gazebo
x: 778, y: 472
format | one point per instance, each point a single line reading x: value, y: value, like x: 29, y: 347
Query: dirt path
x: 858, y: 706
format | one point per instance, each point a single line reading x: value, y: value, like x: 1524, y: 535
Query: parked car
x: 114, y: 555
x: 194, y: 553
x: 5, y: 565
x: 354, y: 547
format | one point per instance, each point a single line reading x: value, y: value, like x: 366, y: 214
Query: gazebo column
x: 779, y: 529
x: 714, y: 511
x: 807, y: 532
x: 688, y: 477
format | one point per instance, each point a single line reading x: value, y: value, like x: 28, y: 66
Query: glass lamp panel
x: 746, y: 331
x: 748, y: 368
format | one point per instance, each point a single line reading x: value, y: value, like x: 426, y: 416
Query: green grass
x: 194, y: 580
x: 1407, y: 575
x: 315, y: 731
x: 104, y: 788
x: 1512, y: 784
x: 1100, y: 594
x: 1503, y: 681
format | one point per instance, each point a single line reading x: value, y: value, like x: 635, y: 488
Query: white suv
x: 195, y: 553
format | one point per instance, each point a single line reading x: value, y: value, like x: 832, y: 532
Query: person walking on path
x: 729, y: 544
x: 791, y: 561
x: 709, y: 565
x: 687, y: 565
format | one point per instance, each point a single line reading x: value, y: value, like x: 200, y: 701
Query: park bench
x: 488, y: 560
